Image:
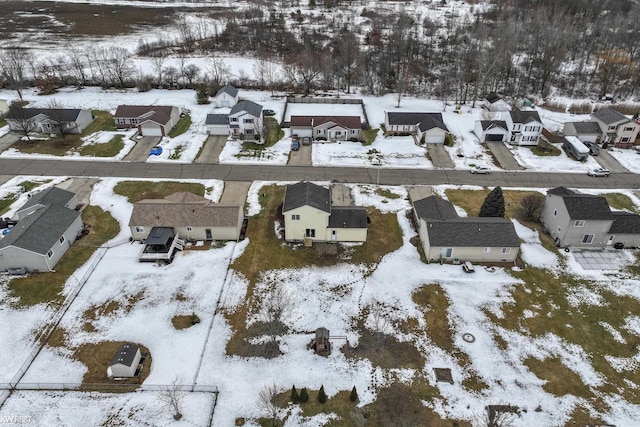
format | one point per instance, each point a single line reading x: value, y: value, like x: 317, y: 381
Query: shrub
x: 322, y: 396
x: 294, y: 395
x: 354, y: 395
x: 493, y: 205
x: 557, y: 106
x: 581, y: 108
x: 304, y: 395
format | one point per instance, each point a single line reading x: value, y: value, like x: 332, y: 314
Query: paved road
x: 503, y: 156
x: 212, y: 148
x: 140, y: 151
x: 607, y: 161
x: 92, y: 168
x: 439, y: 156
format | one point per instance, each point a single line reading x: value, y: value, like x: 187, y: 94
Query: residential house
x: 584, y: 131
x: 310, y: 217
x: 491, y: 130
x: 525, y: 127
x: 586, y: 221
x: 327, y: 128
x: 47, y: 226
x: 217, y: 124
x: 227, y: 96
x: 495, y: 102
x: 616, y: 128
x: 189, y: 216
x: 4, y: 107
x: 48, y: 120
x: 150, y: 120
x: 124, y: 362
x: 245, y: 118
x: 428, y: 127
x: 445, y: 236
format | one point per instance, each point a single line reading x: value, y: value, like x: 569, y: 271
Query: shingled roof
x: 473, y: 232
x: 348, y: 122
x: 586, y: 127
x: 525, y: 116
x: 489, y: 124
x: 434, y: 208
x: 348, y: 217
x: 248, y: 106
x: 583, y: 206
x: 609, y: 115
x: 56, y: 114
x: 125, y: 355
x: 217, y: 119
x: 625, y: 223
x: 156, y: 113
x: 228, y: 89
x: 306, y: 194
x: 424, y: 121
x: 164, y: 213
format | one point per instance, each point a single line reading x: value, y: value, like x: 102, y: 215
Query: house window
x: 139, y: 229
x: 406, y: 128
x: 629, y: 129
x: 61, y: 239
x: 247, y: 121
x: 121, y: 121
x: 625, y: 139
x: 354, y: 131
x: 613, y: 127
x: 506, y: 251
x: 50, y: 253
x: 487, y: 250
x: 233, y: 119
x: 588, y: 238
x: 189, y: 228
x: 579, y: 223
x: 134, y: 121
x: 555, y: 212
x: 310, y: 232
x: 319, y: 131
x: 248, y: 131
x: 295, y: 217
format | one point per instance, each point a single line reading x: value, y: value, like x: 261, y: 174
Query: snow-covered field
x: 197, y: 355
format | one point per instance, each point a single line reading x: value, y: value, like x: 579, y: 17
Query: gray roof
x: 587, y: 207
x: 561, y: 191
x: 348, y: 217
x: 248, y: 106
x: 434, y: 208
x: 609, y: 115
x: 306, y: 194
x: 493, y: 97
x: 424, y: 121
x: 473, y: 232
x: 625, y: 223
x: 125, y: 354
x: 586, y: 127
x: 489, y: 124
x: 159, y: 236
x: 217, y: 119
x: 228, y: 89
x: 525, y: 116
x: 57, y: 114
x: 39, y: 231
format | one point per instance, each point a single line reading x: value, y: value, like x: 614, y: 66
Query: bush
x: 556, y: 106
x: 581, y: 108
x: 354, y: 395
x: 144, y: 84
x: 304, y: 395
x: 322, y: 396
x: 493, y: 205
x: 354, y: 139
x: 202, y: 94
x: 294, y: 395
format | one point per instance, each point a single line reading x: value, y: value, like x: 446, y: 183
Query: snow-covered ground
x: 148, y: 299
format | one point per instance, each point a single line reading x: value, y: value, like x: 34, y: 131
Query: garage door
x: 226, y: 103
x: 437, y: 139
x: 300, y: 131
x: 493, y: 137
x: 151, y: 131
x: 218, y: 130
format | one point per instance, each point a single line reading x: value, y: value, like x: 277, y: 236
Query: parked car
x: 599, y: 172
x: 594, y: 149
x: 467, y: 267
x: 306, y: 140
x: 295, y: 145
x: 480, y: 169
x: 268, y: 112
x: 155, y: 151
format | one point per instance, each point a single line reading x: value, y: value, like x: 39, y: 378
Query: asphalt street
x: 383, y: 176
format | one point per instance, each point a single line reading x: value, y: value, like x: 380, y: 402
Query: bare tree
x: 118, y: 65
x: 171, y: 73
x: 219, y: 71
x: 265, y: 403
x: 531, y: 206
x: 276, y: 308
x: 267, y: 72
x: 304, y: 69
x: 13, y: 63
x: 498, y: 416
x: 172, y: 397
x: 191, y: 73
x: 157, y: 59
x: 20, y: 121
x: 77, y: 64
x: 61, y: 126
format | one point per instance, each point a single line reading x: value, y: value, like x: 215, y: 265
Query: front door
x: 333, y: 235
x: 207, y: 233
x: 610, y: 240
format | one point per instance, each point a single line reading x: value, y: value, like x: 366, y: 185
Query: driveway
x: 607, y: 161
x: 82, y: 187
x: 7, y: 141
x: 235, y: 192
x: 341, y: 195
x: 140, y: 151
x: 212, y: 148
x: 439, y: 156
x: 503, y: 156
x: 302, y: 157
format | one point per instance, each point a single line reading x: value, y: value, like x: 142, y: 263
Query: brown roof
x: 348, y: 122
x: 157, y: 113
x: 185, y: 197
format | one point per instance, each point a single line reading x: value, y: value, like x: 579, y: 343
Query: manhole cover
x: 468, y: 337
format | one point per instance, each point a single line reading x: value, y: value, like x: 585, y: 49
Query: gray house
x: 151, y: 120
x: 49, y: 120
x: 586, y: 221
x: 429, y: 126
x: 47, y: 226
x: 584, y: 131
x: 617, y: 129
x: 447, y: 237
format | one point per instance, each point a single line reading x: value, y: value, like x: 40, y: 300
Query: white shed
x: 125, y: 362
x: 4, y: 107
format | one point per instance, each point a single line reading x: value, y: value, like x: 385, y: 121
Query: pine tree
x: 294, y: 395
x: 354, y: 395
x: 322, y: 396
x: 493, y: 205
x: 304, y: 396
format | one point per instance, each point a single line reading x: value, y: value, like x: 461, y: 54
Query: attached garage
x: 217, y: 124
x: 301, y: 131
x: 434, y: 136
x: 491, y: 130
x: 151, y: 129
x: 492, y: 137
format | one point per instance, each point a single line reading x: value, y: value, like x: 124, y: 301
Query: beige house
x: 428, y: 127
x: 447, y: 237
x: 327, y: 128
x: 617, y: 129
x: 151, y: 120
x: 309, y: 216
x: 191, y: 217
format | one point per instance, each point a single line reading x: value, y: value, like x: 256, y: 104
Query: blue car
x: 295, y: 146
x: 155, y: 151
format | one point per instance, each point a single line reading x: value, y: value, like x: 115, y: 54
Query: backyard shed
x: 124, y: 362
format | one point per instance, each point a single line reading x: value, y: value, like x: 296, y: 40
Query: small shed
x: 124, y: 362
x: 321, y: 344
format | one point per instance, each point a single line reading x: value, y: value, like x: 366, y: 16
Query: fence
x: 313, y: 100
x: 110, y: 387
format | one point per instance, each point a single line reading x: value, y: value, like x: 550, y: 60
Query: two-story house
x: 584, y: 131
x: 617, y: 129
x: 525, y: 127
x: 245, y: 118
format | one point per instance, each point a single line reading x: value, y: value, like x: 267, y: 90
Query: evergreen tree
x: 493, y: 205
x: 304, y: 396
x: 322, y: 396
x: 354, y: 395
x: 294, y: 395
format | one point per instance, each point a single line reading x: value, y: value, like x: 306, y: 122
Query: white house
x: 124, y: 362
x: 525, y: 127
x: 428, y: 127
x: 217, y: 124
x: 151, y: 120
x: 617, y: 129
x: 245, y: 118
x: 48, y: 120
x: 47, y: 226
x: 4, y: 107
x: 491, y: 130
x: 328, y: 128
x: 227, y: 96
x: 495, y: 102
x: 584, y: 131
